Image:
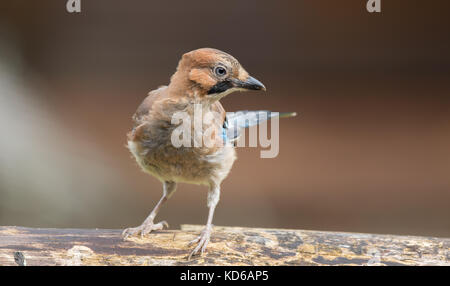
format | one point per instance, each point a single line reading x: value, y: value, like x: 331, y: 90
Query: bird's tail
x: 235, y: 121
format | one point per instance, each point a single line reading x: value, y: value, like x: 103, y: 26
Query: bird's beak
x: 250, y: 83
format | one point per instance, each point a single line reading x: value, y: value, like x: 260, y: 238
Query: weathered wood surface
x: 228, y: 246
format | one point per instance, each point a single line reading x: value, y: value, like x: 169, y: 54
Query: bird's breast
x: 197, y: 165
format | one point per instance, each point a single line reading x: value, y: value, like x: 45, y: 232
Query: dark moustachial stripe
x: 220, y: 87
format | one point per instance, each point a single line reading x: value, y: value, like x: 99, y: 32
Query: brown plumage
x: 203, y: 76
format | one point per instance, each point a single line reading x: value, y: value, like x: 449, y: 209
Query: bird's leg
x: 203, y: 239
x: 147, y: 226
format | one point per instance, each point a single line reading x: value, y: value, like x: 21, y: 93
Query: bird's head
x: 211, y: 73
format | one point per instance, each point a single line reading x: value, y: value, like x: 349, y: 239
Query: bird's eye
x: 220, y: 71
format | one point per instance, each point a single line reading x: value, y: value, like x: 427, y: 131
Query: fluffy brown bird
x: 202, y: 78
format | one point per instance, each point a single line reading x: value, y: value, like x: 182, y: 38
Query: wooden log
x: 228, y: 246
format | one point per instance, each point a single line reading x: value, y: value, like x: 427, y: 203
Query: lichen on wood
x: 228, y: 246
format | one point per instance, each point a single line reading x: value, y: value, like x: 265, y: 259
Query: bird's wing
x: 147, y: 104
x: 236, y: 121
x: 144, y: 108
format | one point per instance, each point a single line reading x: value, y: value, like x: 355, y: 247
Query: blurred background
x: 368, y: 152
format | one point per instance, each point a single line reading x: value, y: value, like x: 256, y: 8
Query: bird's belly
x: 189, y: 165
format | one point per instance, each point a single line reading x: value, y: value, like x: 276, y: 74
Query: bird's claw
x: 144, y: 229
x: 202, y: 240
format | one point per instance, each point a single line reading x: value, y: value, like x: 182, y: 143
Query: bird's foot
x: 144, y: 228
x: 202, y: 240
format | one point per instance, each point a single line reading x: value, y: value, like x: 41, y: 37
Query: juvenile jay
x: 203, y: 77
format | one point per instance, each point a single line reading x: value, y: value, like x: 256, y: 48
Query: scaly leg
x: 147, y: 226
x: 203, y: 239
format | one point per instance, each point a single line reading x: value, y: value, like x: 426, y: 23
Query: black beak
x: 251, y: 83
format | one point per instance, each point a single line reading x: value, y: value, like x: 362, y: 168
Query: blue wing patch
x: 236, y: 121
x: 224, y: 131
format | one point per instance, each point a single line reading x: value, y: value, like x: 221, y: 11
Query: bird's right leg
x: 203, y: 239
x: 147, y: 226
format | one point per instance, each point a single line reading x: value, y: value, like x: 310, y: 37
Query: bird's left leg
x: 203, y: 239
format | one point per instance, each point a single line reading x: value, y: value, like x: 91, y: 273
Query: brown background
x: 369, y: 151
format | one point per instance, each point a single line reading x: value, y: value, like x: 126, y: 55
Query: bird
x: 203, y: 76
